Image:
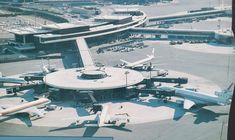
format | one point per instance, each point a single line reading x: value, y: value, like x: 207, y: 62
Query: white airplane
x: 192, y: 98
x: 100, y: 119
x: 103, y: 119
x: 139, y: 63
x: 29, y: 108
x: 45, y: 69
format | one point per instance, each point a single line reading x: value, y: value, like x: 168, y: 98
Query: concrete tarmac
x: 207, y: 123
x: 219, y: 68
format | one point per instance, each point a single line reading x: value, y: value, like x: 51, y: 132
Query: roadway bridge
x: 186, y: 33
x: 192, y: 15
x: 85, y: 54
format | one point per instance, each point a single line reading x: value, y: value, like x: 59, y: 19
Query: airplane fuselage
x: 139, y: 62
x: 18, y: 108
x: 199, y: 97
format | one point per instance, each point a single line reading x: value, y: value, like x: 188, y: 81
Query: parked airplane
x: 139, y: 63
x: 38, y: 75
x: 28, y: 108
x: 150, y: 67
x: 192, y: 98
x: 103, y: 118
x: 100, y: 119
x: 47, y: 68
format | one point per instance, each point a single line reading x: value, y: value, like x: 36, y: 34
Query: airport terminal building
x: 102, y: 82
x: 102, y: 29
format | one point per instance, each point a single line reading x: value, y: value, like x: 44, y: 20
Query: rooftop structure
x: 130, y: 11
x: 97, y: 79
x: 91, y: 77
x: 59, y: 26
x: 107, y: 26
x: 117, y: 19
x: 28, y: 30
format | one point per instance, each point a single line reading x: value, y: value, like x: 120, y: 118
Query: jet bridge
x: 179, y: 80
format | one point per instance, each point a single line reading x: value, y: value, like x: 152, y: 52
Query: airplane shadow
x: 199, y: 113
x: 82, y: 112
x: 71, y: 126
x: 206, y: 115
x: 178, y: 113
x: 22, y: 117
x: 89, y: 130
x: 27, y: 96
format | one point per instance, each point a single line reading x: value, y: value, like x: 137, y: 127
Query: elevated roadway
x: 85, y: 53
x: 186, y: 16
x: 54, y: 38
x: 175, y: 32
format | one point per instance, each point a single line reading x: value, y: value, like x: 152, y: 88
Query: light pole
x: 127, y: 72
x: 150, y: 70
x: 219, y: 25
x: 228, y: 68
x: 44, y: 74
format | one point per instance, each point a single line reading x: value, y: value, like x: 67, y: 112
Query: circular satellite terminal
x: 106, y: 78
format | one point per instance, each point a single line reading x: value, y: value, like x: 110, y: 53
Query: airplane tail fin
x: 229, y: 87
x: 225, y: 94
x: 92, y: 97
x: 45, y: 68
x: 152, y: 54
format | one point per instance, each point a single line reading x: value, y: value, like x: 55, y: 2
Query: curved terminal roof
x: 112, y: 78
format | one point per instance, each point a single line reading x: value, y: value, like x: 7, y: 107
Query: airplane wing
x: 90, y: 131
x: 2, y: 107
x: 28, y: 107
x: 188, y: 104
x: 139, y: 65
x: 31, y: 111
x: 22, y: 117
x: 25, y: 119
x: 103, y: 116
x: 134, y: 64
x: 151, y: 55
x: 92, y: 97
x: 87, y: 118
x: 90, y: 117
x: 124, y: 61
